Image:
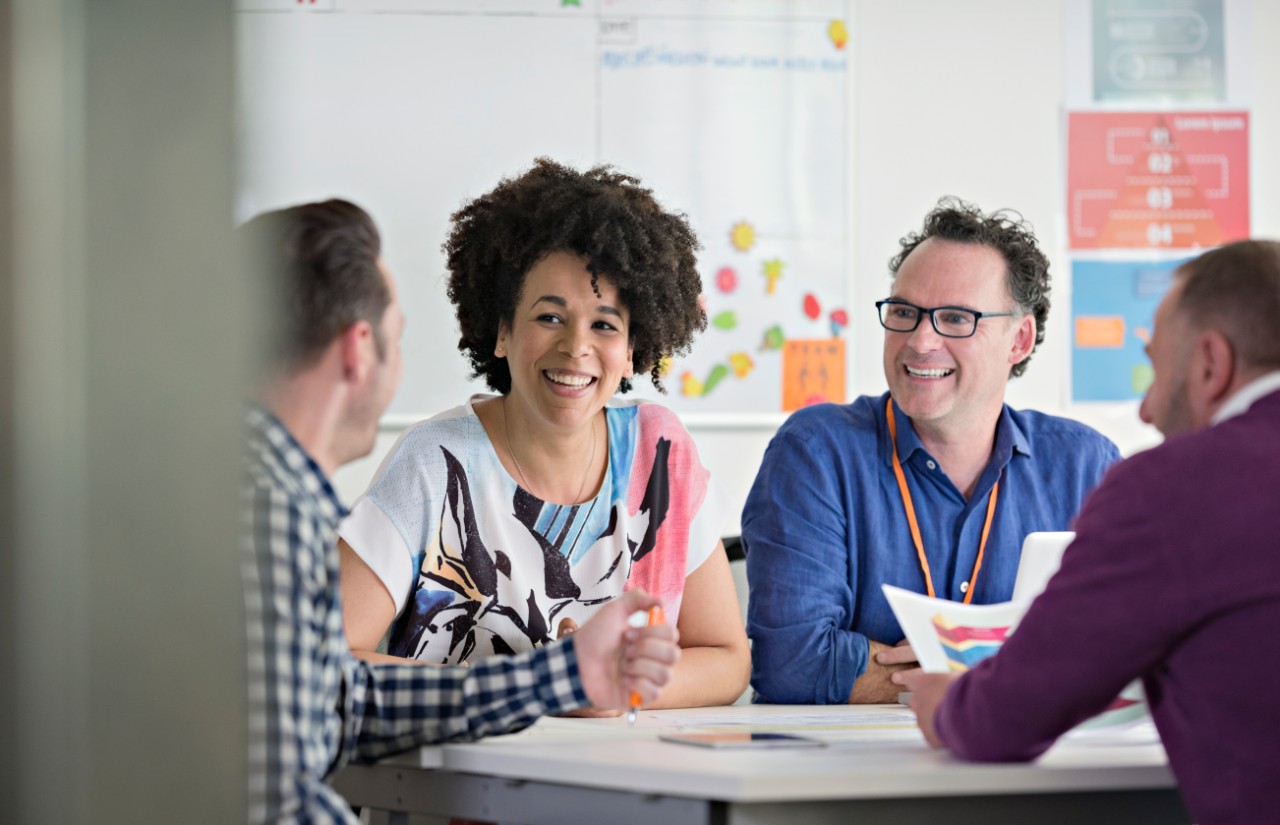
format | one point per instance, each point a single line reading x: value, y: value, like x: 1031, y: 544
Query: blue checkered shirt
x: 313, y: 707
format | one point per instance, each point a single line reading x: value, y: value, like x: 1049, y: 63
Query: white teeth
x: 928, y: 373
x: 576, y: 381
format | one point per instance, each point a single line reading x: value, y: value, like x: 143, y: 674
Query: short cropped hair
x: 1005, y: 231
x: 603, y: 216
x: 321, y: 260
x: 1235, y: 289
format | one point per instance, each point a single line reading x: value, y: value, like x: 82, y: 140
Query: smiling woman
x: 567, y: 349
x: 506, y: 522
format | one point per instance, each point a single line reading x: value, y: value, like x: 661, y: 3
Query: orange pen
x: 656, y: 616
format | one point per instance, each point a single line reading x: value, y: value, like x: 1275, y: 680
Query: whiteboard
x: 735, y: 114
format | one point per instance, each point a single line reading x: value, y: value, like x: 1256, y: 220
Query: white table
x: 599, y: 770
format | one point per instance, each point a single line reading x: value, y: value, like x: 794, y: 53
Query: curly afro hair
x: 1005, y: 231
x: 605, y: 217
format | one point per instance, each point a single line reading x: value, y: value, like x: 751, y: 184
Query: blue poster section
x: 1122, y: 296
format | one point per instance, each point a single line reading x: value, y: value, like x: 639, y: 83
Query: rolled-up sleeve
x: 802, y: 581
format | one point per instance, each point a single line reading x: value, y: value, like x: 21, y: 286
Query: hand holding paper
x: 951, y: 637
x: 927, y: 690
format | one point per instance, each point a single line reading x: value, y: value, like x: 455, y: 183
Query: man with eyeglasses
x: 931, y: 487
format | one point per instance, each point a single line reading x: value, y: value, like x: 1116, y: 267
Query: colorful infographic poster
x: 1157, y: 180
x: 1113, y: 305
x: 1159, y: 50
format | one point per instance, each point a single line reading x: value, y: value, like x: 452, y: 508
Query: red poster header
x: 1171, y: 180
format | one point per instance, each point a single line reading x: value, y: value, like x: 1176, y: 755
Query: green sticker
x: 725, y: 320
x: 717, y: 374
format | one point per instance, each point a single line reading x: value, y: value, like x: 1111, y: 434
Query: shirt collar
x: 1246, y: 395
x: 271, y: 443
x: 908, y: 441
x: 1009, y: 437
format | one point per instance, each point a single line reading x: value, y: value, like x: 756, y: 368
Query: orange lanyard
x: 915, y: 526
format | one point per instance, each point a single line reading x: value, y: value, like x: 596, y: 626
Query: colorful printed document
x: 952, y: 637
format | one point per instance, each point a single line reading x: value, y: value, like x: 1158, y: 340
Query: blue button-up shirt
x: 824, y: 527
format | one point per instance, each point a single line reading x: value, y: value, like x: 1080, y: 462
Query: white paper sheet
x: 845, y: 725
x: 951, y: 637
x: 922, y: 618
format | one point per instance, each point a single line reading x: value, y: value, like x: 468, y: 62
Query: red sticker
x: 726, y: 279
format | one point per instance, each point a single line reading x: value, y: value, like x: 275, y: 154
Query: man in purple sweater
x: 1174, y: 576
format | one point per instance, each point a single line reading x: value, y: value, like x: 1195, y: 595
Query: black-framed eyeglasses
x: 949, y: 322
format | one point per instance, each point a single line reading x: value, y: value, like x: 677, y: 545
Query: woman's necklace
x: 506, y: 428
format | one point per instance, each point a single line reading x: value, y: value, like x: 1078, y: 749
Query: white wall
x: 966, y: 99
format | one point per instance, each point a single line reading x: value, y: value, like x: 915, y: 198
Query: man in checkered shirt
x: 313, y: 706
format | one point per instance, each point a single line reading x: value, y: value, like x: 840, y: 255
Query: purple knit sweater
x: 1174, y: 577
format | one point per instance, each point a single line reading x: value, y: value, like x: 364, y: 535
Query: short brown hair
x: 1235, y: 289
x: 321, y: 260
x: 1005, y: 231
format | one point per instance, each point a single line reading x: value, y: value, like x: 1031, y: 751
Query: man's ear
x: 358, y: 351
x: 1213, y: 371
x: 1024, y: 340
